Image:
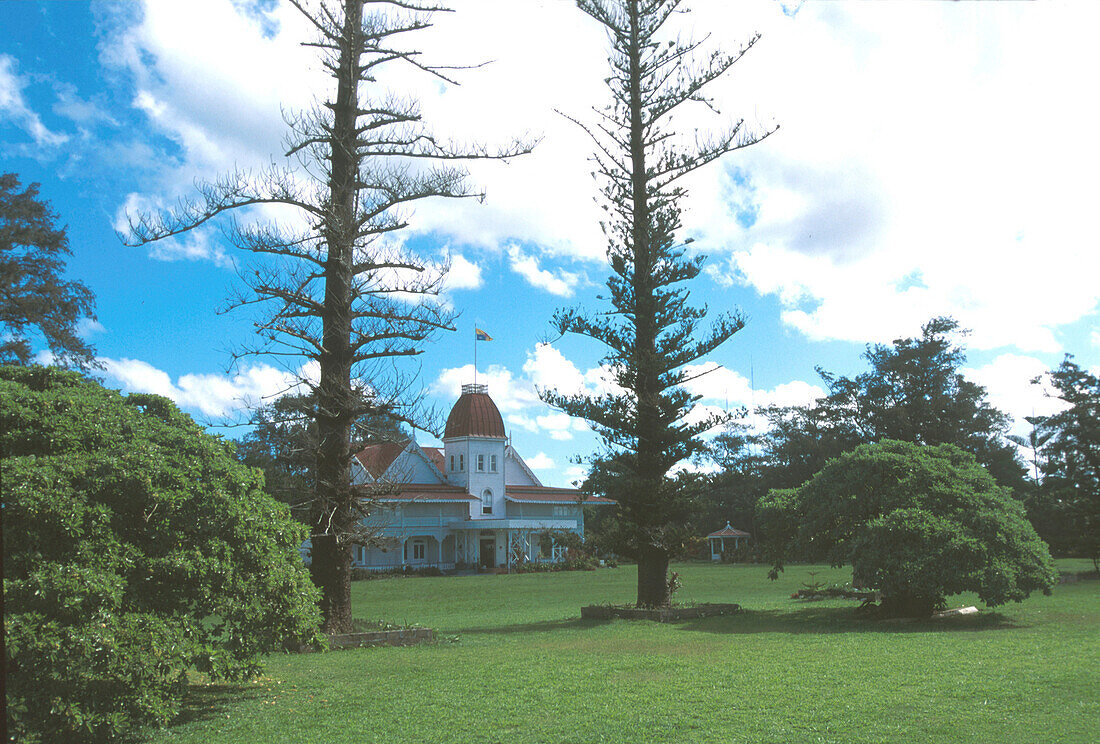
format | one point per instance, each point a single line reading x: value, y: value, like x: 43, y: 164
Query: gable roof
x: 376, y: 458
x: 510, y: 451
x: 548, y: 495
x: 435, y: 454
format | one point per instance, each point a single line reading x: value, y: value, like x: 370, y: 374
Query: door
x: 488, y: 552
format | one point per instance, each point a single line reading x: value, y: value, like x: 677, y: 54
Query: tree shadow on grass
x: 803, y: 619
x: 205, y: 701
x: 574, y: 623
x: 823, y: 620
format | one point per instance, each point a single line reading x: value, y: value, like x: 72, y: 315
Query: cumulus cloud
x: 14, y: 107
x: 717, y: 384
x: 1008, y: 384
x: 216, y: 396
x: 559, y: 282
x: 541, y: 461
x: 893, y: 192
x: 463, y: 274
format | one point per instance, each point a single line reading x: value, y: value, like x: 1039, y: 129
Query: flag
x: 480, y: 335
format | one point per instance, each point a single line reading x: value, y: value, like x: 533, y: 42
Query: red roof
x: 426, y: 492
x: 728, y: 531
x: 377, y: 457
x: 435, y: 454
x: 547, y: 495
x: 474, y: 415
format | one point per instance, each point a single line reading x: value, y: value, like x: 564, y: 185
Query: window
x: 492, y: 463
x: 452, y: 463
x: 487, y: 501
x: 481, y: 463
x: 461, y: 462
x: 418, y: 550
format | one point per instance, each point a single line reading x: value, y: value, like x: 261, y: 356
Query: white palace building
x: 471, y: 503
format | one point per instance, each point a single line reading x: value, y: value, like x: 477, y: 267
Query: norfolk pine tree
x: 32, y: 293
x: 340, y: 291
x: 650, y: 330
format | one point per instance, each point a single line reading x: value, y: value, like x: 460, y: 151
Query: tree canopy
x: 1067, y: 506
x: 917, y: 523
x: 33, y: 296
x: 135, y: 549
x: 914, y: 391
x: 283, y: 444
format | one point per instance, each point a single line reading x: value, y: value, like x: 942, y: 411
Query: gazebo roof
x: 728, y: 531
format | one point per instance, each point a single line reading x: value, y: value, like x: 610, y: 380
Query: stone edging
x: 660, y: 614
x: 402, y: 637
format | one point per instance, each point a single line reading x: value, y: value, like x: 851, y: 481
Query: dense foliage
x: 33, y: 297
x: 283, y: 444
x: 917, y: 523
x: 651, y: 331
x: 135, y: 549
x: 1065, y: 503
x: 914, y: 391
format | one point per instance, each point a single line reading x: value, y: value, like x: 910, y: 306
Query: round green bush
x: 135, y: 549
x: 918, y: 524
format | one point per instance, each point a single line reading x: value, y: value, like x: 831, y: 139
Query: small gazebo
x: 725, y: 539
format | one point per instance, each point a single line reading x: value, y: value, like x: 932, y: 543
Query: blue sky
x: 933, y: 158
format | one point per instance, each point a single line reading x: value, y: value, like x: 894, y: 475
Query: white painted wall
x: 411, y: 466
x: 515, y: 473
x: 476, y: 481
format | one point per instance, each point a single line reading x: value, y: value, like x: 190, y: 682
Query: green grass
x: 524, y: 668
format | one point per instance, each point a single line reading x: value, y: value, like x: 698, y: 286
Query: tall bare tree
x: 340, y: 290
x: 650, y: 330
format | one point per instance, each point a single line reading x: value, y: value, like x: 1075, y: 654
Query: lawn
x: 519, y: 666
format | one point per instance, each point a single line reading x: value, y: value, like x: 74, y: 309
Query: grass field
x: 521, y: 667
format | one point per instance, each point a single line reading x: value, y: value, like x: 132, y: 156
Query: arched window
x: 487, y: 501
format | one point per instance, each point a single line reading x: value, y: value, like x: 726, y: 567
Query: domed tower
x: 473, y: 451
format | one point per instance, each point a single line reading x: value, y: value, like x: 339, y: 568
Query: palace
x: 472, y: 503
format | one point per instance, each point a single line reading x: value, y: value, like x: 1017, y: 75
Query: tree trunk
x: 335, y: 402
x: 331, y: 570
x: 653, y: 577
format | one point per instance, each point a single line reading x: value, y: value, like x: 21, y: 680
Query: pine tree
x: 337, y: 293
x: 34, y: 300
x: 651, y: 331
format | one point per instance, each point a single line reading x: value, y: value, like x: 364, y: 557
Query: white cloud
x: 14, y: 107
x: 510, y: 395
x: 574, y: 474
x: 541, y: 461
x: 547, y: 368
x: 217, y: 396
x: 718, y: 384
x: 558, y: 282
x: 1008, y: 383
x: 463, y: 274
x: 901, y: 185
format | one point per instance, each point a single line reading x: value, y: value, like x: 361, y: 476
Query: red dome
x: 474, y: 415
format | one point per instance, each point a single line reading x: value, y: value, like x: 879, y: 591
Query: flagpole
x: 475, y: 356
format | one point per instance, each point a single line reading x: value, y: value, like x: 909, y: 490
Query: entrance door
x: 488, y: 553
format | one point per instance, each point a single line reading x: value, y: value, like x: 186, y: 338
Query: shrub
x: 918, y: 524
x: 135, y: 549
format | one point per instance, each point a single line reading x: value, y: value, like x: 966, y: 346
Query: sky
x: 932, y: 159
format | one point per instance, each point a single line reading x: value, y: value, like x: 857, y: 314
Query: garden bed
x: 657, y: 614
